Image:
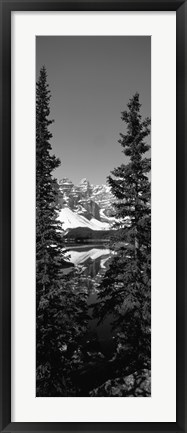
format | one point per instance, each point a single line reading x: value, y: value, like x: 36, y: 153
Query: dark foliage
x: 62, y: 320
x: 48, y: 229
x: 85, y: 233
x: 60, y: 305
x: 126, y: 288
x: 68, y: 361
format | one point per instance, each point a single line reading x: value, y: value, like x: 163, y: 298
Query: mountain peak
x: 65, y: 181
x: 87, y: 199
x: 84, y: 181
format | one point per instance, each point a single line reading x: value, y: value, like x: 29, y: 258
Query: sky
x: 91, y: 79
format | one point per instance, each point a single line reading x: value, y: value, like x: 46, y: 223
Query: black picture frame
x: 6, y: 7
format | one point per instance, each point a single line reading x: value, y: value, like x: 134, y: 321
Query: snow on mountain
x: 73, y: 220
x: 85, y: 205
x: 106, y: 218
x: 99, y: 224
x: 103, y: 262
x: 102, y: 195
x: 85, y: 186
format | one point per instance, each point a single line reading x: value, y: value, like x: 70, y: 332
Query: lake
x: 92, y: 261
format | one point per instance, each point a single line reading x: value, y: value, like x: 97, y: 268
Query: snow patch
x: 72, y: 220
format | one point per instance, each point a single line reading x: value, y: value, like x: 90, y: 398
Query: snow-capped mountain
x: 72, y: 220
x: 85, y: 205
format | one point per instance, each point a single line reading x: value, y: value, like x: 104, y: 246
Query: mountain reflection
x: 91, y: 261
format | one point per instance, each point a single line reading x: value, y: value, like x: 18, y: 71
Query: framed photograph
x: 93, y: 230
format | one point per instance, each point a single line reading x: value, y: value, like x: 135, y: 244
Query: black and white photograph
x: 93, y: 216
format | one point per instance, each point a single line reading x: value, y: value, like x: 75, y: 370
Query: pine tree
x: 48, y: 230
x: 61, y: 325
x: 125, y: 290
x: 48, y: 234
x: 61, y: 310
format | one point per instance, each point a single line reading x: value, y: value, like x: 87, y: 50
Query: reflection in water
x: 75, y: 355
x: 92, y: 261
